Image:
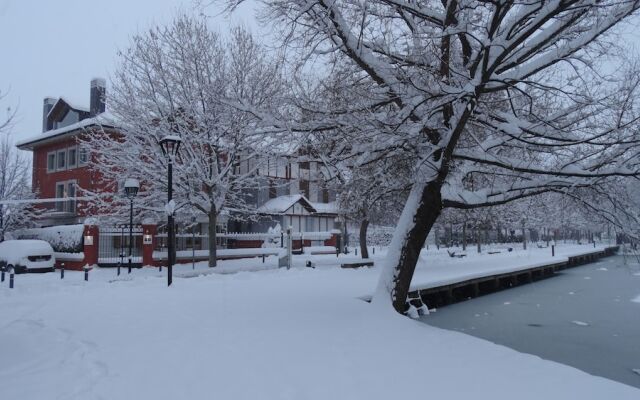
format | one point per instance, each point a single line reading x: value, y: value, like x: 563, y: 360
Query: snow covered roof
x: 281, y: 204
x: 104, y: 120
x: 63, y: 100
x: 326, y: 208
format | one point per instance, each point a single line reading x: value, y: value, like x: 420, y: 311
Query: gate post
x: 90, y: 240
x: 148, y: 243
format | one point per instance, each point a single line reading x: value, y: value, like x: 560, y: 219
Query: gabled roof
x: 63, y: 104
x: 281, y: 204
x: 104, y: 120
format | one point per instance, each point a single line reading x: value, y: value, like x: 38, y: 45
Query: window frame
x: 83, y: 150
x: 49, y: 154
x: 75, y: 158
x: 58, y: 153
x: 70, y: 205
x: 60, y: 203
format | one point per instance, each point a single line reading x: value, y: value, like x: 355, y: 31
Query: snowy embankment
x: 274, y: 334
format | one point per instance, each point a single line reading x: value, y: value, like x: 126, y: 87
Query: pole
x: 193, y: 246
x: 170, y: 236
x: 130, y: 231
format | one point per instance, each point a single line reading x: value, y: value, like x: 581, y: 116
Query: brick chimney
x: 46, y: 107
x: 97, y: 97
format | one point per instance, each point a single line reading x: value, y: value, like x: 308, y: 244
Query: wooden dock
x: 452, y: 293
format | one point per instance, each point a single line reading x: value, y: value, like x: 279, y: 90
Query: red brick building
x: 60, y: 160
x: 290, y: 196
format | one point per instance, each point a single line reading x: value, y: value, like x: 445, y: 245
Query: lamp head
x: 131, y: 187
x: 170, y: 145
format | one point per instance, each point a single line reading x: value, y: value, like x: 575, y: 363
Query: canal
x: 584, y: 317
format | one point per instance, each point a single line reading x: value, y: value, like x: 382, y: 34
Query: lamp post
x: 131, y: 187
x: 170, y: 145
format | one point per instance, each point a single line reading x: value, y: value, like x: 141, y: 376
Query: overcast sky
x: 55, y: 48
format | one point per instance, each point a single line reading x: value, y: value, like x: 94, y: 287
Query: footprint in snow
x: 587, y: 277
x: 636, y: 370
x: 602, y: 269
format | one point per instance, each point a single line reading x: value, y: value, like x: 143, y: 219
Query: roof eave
x: 30, y: 145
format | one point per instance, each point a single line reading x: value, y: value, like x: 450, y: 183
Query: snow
x: 104, y: 119
x: 69, y: 256
x: 281, y: 204
x: 15, y: 252
x: 636, y: 299
x: 580, y: 323
x: 326, y: 208
x: 63, y: 238
x: 273, y: 334
x: 252, y: 252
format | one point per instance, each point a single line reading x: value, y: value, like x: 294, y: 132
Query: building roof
x: 104, y: 120
x: 62, y: 101
x: 326, y: 208
x: 281, y: 204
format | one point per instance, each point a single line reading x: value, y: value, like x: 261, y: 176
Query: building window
x: 273, y: 190
x: 51, y: 162
x: 304, y: 188
x: 72, y: 157
x: 71, y: 192
x: 59, y: 195
x: 325, y: 195
x: 61, y: 160
x: 83, y: 156
x: 66, y: 190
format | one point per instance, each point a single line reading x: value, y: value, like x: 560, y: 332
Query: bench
x: 357, y: 264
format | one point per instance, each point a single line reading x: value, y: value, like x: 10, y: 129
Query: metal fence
x: 113, y: 246
x: 187, y: 239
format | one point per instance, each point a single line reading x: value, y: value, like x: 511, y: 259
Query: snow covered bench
x: 357, y: 264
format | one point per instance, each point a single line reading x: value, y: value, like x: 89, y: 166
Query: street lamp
x: 170, y: 145
x: 131, y: 187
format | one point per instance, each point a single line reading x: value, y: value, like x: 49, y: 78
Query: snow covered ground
x: 270, y: 334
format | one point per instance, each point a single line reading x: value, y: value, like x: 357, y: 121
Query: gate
x: 113, y: 246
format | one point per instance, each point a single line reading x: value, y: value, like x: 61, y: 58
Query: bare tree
x: 15, y: 189
x: 7, y: 119
x: 183, y: 79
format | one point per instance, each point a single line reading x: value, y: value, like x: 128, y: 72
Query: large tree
x: 184, y: 79
x: 507, y: 94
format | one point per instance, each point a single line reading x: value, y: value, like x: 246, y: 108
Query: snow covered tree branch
x: 183, y: 79
x: 488, y: 102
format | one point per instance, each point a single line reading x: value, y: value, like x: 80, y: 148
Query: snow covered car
x: 26, y: 256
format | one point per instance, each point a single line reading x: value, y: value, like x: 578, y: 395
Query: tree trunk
x: 464, y: 236
x: 418, y: 217
x: 364, y: 224
x: 213, y: 219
